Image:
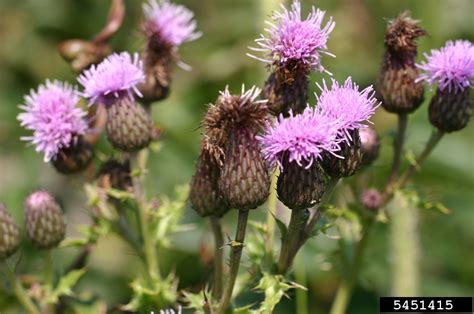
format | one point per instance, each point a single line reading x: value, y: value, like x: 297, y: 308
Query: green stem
x: 291, y: 239
x: 344, y: 292
x: 235, y: 256
x: 137, y: 162
x: 20, y: 292
x: 301, y: 294
x: 49, y: 276
x: 218, y: 257
x: 324, y: 200
x: 398, y: 147
x: 298, y: 235
x: 271, y: 214
x: 435, y: 138
x: 404, y: 248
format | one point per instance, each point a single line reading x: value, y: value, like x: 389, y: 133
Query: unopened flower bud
x: 74, y: 158
x: 9, y: 234
x: 372, y: 199
x: 397, y: 86
x: 45, y: 223
x: 370, y: 145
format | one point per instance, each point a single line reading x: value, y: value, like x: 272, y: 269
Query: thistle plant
x: 308, y: 164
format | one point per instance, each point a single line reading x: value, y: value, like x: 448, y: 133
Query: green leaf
x: 274, y: 288
x: 65, y: 285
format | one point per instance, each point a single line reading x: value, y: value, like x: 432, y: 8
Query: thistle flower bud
x: 45, y: 223
x: 301, y: 188
x: 231, y: 125
x: 129, y: 126
x: 244, y: 181
x: 115, y: 174
x: 205, y: 197
x: 370, y: 145
x: 113, y: 83
x: 74, y: 158
x: 166, y: 27
x: 9, y: 234
x: 351, y: 153
x: 51, y: 112
x: 297, y: 145
x: 397, y: 86
x: 286, y: 91
x: 294, y: 47
x: 452, y: 68
x: 372, y: 199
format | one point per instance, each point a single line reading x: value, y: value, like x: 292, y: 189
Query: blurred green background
x: 31, y: 29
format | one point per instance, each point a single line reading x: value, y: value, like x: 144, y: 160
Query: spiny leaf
x: 65, y: 285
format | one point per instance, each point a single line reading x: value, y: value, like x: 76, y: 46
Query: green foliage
x: 274, y: 287
x: 166, y: 218
x: 64, y: 286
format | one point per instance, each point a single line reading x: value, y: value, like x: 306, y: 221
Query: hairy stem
x: 404, y: 247
x: 235, y: 255
x: 344, y: 292
x: 20, y: 293
x: 218, y: 257
x: 137, y: 162
x: 291, y: 239
x: 398, y: 147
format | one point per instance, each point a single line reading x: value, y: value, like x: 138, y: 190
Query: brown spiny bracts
x: 205, y: 197
x: 396, y: 85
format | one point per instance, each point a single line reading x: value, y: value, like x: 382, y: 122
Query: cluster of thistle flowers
x: 44, y: 223
x: 61, y: 126
x: 451, y: 68
x: 61, y: 123
x: 241, y: 144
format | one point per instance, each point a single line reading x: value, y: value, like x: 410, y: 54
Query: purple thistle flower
x: 347, y: 104
x: 171, y: 24
x: 52, y: 115
x: 115, y: 77
x: 451, y: 67
x: 303, y: 138
x: 293, y: 40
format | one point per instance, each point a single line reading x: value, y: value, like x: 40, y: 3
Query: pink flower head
x: 170, y: 23
x: 115, y: 77
x: 51, y: 113
x: 293, y: 40
x: 451, y: 67
x: 302, y: 138
x: 347, y: 104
